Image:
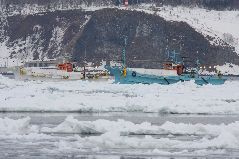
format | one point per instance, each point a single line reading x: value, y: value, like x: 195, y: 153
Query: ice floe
x: 125, y: 128
x: 83, y: 96
x: 212, y: 137
x: 19, y: 126
x: 123, y: 136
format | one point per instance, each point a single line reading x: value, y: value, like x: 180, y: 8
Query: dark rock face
x: 100, y: 35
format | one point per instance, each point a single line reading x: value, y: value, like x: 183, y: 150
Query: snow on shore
x: 84, y: 96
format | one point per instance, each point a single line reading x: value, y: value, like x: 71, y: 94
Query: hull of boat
x: 53, y: 73
x: 133, y: 77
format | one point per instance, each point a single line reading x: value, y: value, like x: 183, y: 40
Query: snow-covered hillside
x: 219, y: 24
x: 223, y: 26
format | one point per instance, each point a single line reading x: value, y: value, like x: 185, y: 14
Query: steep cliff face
x: 100, y: 35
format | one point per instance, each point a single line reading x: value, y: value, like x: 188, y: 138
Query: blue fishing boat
x: 127, y: 76
x: 173, y: 71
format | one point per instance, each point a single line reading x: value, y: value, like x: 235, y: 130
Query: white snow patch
x: 4, y: 50
x: 229, y: 69
x: 21, y: 126
x: 55, y: 41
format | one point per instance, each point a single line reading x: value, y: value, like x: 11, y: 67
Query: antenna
x: 198, y: 64
x: 174, y: 57
x: 85, y: 55
x: 84, y: 71
x: 124, y: 51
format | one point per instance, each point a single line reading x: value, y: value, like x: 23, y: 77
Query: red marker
x: 126, y: 3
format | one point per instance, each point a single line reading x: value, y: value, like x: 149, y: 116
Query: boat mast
x: 124, y: 57
x: 124, y: 52
x: 84, y: 75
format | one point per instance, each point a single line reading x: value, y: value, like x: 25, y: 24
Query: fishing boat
x: 53, y: 69
x: 133, y: 76
x: 173, y: 71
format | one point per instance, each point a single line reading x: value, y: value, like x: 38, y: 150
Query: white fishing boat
x: 55, y: 69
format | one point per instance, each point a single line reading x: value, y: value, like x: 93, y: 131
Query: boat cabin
x: 39, y: 63
x: 65, y: 66
x: 172, y: 66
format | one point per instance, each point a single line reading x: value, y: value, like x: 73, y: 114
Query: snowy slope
x: 218, y: 24
x: 222, y: 25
